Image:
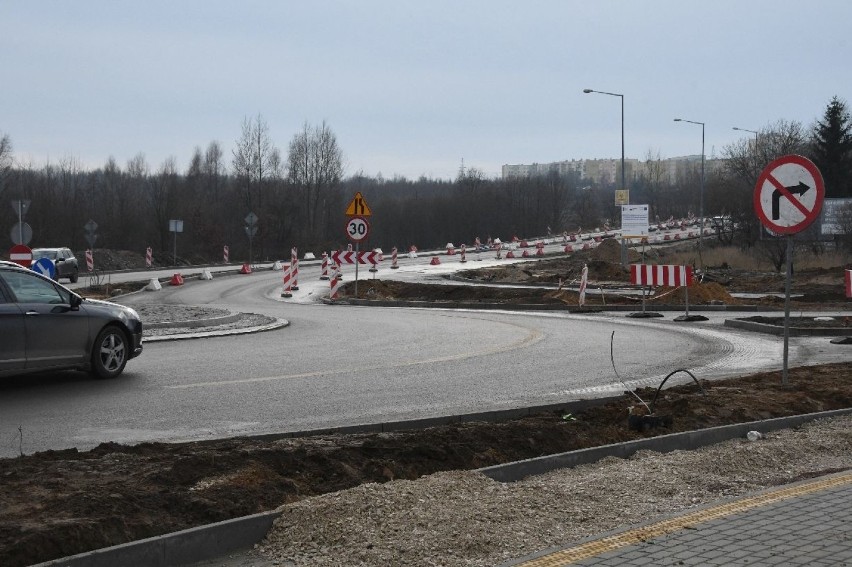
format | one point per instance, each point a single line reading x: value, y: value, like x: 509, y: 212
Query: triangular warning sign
x: 358, y: 207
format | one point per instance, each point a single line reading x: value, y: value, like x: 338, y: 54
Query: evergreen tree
x: 832, y: 149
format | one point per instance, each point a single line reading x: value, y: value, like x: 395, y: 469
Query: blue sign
x: 44, y: 266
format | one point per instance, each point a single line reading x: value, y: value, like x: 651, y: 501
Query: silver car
x: 46, y: 326
x: 64, y: 262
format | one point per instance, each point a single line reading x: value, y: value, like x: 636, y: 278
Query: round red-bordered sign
x: 357, y: 229
x: 21, y: 254
x: 788, y: 195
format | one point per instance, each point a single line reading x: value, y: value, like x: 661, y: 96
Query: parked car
x: 63, y: 260
x: 46, y: 326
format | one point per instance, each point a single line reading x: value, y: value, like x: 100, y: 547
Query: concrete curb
x: 685, y: 441
x: 277, y: 324
x: 540, y: 306
x: 221, y: 538
x: 794, y: 331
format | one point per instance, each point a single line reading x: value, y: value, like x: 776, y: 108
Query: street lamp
x: 623, y: 184
x: 701, y: 198
x: 752, y: 131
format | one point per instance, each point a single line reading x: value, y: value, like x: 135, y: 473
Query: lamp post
x: 701, y: 198
x: 623, y: 184
x: 755, y: 136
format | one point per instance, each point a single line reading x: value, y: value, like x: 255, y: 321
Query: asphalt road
x: 344, y: 365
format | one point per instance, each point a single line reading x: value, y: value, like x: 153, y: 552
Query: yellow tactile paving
x: 632, y: 537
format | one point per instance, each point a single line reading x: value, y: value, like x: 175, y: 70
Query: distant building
x: 605, y: 171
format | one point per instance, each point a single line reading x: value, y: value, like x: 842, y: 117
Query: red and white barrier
x: 667, y: 275
x: 226, y: 254
x: 324, y: 275
x: 435, y: 261
x: 394, y: 265
x: 149, y: 257
x: 451, y: 249
x: 294, y: 268
x: 90, y: 262
x: 246, y: 269
x: 584, y: 281
x: 335, y: 284
x: 287, y: 291
x: 177, y: 279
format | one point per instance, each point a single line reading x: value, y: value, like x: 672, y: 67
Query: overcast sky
x: 412, y: 88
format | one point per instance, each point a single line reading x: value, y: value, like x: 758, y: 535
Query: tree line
x: 299, y: 200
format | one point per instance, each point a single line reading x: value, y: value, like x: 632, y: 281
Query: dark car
x: 63, y: 260
x: 46, y: 326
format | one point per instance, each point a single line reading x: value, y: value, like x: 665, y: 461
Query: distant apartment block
x: 606, y: 171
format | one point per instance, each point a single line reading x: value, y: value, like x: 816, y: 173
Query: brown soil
x: 533, y: 280
x: 59, y: 503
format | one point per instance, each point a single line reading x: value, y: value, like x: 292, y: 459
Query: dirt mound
x: 699, y: 293
x: 59, y: 503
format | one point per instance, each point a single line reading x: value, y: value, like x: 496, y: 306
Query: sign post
x: 357, y: 228
x: 788, y: 197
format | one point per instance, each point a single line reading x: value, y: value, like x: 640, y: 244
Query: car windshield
x: 44, y: 254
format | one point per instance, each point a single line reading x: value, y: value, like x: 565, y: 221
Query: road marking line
x: 640, y: 535
x: 533, y: 336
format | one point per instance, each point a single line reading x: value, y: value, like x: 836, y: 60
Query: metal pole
x: 357, y: 247
x: 174, y: 255
x: 701, y: 205
x: 784, y: 377
x: 21, y: 222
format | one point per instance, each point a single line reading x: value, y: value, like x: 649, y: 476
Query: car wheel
x: 75, y: 275
x: 109, y: 353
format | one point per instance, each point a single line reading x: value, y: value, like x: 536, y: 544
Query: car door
x: 56, y: 334
x: 13, y: 346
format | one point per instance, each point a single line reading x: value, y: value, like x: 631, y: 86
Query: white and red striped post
x: 394, y: 265
x: 335, y: 284
x: 294, y: 267
x: 463, y: 259
x: 288, y: 284
x: 324, y: 275
x: 90, y: 262
x: 149, y: 257
x: 226, y: 254
x: 499, y: 256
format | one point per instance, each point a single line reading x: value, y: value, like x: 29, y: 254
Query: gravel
x: 465, y: 518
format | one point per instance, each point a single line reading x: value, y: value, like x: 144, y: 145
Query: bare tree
x: 5, y: 161
x: 252, y: 166
x: 315, y: 164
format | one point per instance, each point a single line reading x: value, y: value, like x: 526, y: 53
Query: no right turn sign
x: 789, y: 194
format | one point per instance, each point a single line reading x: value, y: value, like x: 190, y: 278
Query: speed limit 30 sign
x: 357, y: 229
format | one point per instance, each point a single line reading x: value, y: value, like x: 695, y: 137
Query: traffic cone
x: 177, y: 279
